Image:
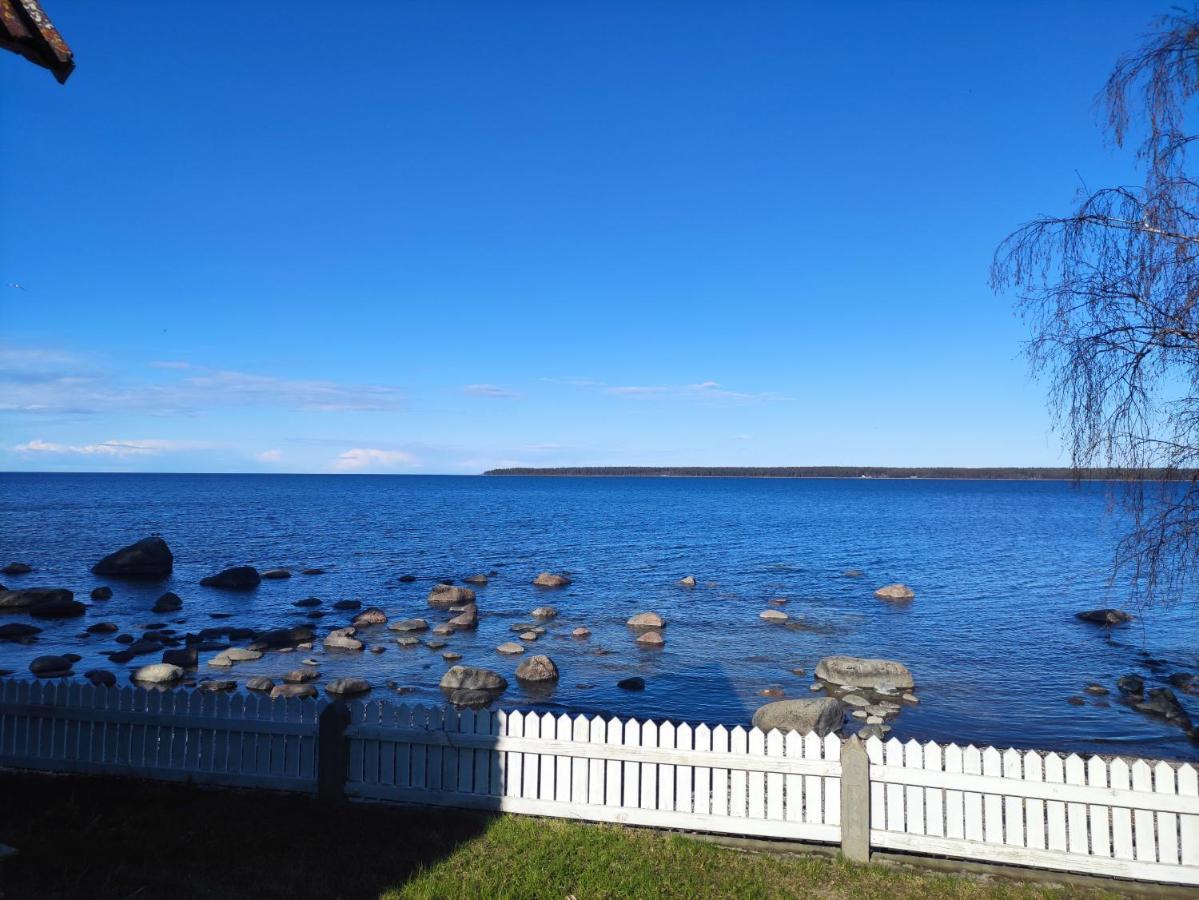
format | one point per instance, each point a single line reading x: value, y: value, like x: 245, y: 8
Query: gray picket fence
x: 1133, y: 819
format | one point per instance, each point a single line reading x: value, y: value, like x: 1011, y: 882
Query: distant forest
x: 1000, y: 474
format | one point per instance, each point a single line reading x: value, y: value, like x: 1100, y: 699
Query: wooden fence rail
x: 1136, y: 819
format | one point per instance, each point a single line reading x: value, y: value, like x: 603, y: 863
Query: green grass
x: 102, y: 838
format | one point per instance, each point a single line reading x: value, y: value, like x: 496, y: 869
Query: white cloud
x: 360, y: 458
x: 46, y: 382
x: 270, y: 456
x: 488, y: 390
x: 109, y: 448
x: 704, y: 390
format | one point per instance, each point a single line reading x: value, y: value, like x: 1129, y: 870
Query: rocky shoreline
x: 859, y: 695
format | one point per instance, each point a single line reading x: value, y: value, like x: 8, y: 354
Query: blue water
x: 999, y: 568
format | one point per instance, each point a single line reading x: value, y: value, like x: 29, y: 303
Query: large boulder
x: 537, y: 669
x: 348, y: 687
x: 158, y: 673
x: 342, y: 639
x: 237, y: 578
x: 470, y: 678
x: 895, y: 592
x: 551, y: 580
x: 646, y: 620
x: 51, y: 667
x: 874, y: 674
x: 823, y: 716
x: 56, y: 603
x: 149, y: 559
x: 449, y: 595
x: 1104, y: 616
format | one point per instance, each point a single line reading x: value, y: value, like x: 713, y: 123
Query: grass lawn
x: 97, y: 838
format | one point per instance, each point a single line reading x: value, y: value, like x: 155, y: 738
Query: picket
x: 1130, y: 819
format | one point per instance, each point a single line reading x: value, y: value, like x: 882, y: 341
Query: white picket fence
x: 734, y: 781
x: 1130, y: 819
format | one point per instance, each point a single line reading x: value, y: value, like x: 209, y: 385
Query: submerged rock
x: 301, y: 676
x: 479, y: 580
x: 1162, y: 703
x: 409, y: 626
x: 149, y: 559
x: 347, y: 604
x: 636, y: 683
x: 236, y: 578
x: 100, y: 677
x: 651, y: 639
x: 510, y: 648
x: 216, y: 686
x: 187, y: 658
x: 895, y: 592
x: 1130, y: 685
x: 168, y: 602
x: 104, y: 592
x: 19, y: 631
x: 773, y: 615
x: 56, y: 604
x: 17, y: 568
x: 307, y: 602
x: 581, y: 632
x: 1104, y: 616
x: 293, y: 690
x: 407, y: 579
x: 551, y: 580
x: 822, y: 716
x: 348, y: 687
x: 544, y: 612
x: 275, y: 574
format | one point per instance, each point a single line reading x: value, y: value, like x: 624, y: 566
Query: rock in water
x: 149, y: 559
x: 237, y: 578
x: 168, y: 602
x: 537, y: 669
x: 510, y: 648
x: 551, y: 580
x: 687, y: 581
x: 260, y: 683
x: 293, y: 690
x: 822, y: 716
x: 895, y: 592
x: 348, y: 604
x: 581, y: 632
x: 1104, y: 616
x: 409, y: 625
x: 1131, y: 685
x: 651, y: 639
x: 276, y: 573
x: 18, y: 631
x: 773, y: 615
x: 407, y: 579
x: 342, y: 639
x: 215, y: 686
x: 468, y: 618
x: 187, y: 658
x: 56, y: 604
x: 646, y: 620
x: 158, y: 673
x: 636, y: 683
x: 100, y: 677
x: 479, y: 580
x: 348, y: 687
x: 875, y: 674
x: 470, y: 678
x: 51, y: 667
x: 104, y: 592
x: 448, y: 595
x: 544, y: 612
x: 1162, y: 702
x: 17, y: 568
x: 371, y: 616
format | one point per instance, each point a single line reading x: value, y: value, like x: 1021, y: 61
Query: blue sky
x: 440, y: 237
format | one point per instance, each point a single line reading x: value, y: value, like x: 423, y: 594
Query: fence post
x: 855, y: 801
x: 331, y: 750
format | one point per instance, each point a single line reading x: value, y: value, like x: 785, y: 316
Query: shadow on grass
x: 105, y: 837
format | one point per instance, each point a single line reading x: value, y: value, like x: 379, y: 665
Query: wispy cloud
x: 359, y: 458
x: 170, y: 364
x: 112, y: 448
x: 492, y: 391
x: 45, y: 382
x: 269, y: 456
x: 710, y: 391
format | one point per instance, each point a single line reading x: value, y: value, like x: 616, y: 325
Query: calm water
x: 999, y: 568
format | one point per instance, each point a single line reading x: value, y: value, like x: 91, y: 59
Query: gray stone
x: 875, y: 674
x: 260, y: 683
x: 51, y: 666
x: 822, y: 716
x: 773, y: 615
x: 895, y: 592
x: 158, y: 673
x: 687, y: 581
x: 371, y: 616
x: 544, y: 612
x: 100, y: 677
x: 216, y: 686
x: 636, y: 683
x: 149, y: 559
x: 342, y: 639
x: 646, y: 620
x: 444, y: 595
x: 275, y: 574
x: 409, y: 625
x: 510, y: 648
x: 1104, y: 616
x: 168, y: 602
x: 651, y: 639
x: 471, y: 678
x: 293, y: 690
x: 537, y: 669
x: 551, y: 580
x: 348, y: 687
x: 236, y: 578
x: 104, y: 592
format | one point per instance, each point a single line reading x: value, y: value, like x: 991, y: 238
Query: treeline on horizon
x: 1012, y: 473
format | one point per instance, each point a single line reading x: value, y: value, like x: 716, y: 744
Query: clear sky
x: 440, y: 237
